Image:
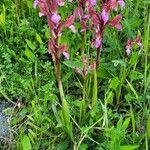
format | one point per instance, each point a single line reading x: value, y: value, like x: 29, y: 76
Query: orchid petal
x: 98, y: 42
x: 113, y: 4
x: 138, y: 41
x: 60, y: 2
x: 92, y: 2
x: 116, y: 22
x: 121, y: 3
x: 93, y: 66
x: 66, y: 55
x: 41, y: 14
x: 69, y: 21
x: 35, y: 4
x: 56, y: 18
x: 105, y: 16
x: 128, y: 51
x: 73, y: 29
x: 118, y: 27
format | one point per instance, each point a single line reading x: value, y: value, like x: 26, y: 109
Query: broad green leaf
x: 119, y: 123
x: 31, y: 138
x: 114, y: 83
x: 134, y: 58
x: 83, y: 147
x: 67, y: 76
x: 29, y: 4
x: 29, y: 43
x: 38, y: 38
x: 28, y: 53
x: 62, y: 145
x: 129, y: 147
x: 132, y: 23
x: 32, y: 133
x: 148, y: 127
x: 132, y: 89
x: 130, y: 97
x: 2, y: 20
x: 73, y: 64
x: 148, y: 80
x: 33, y: 126
x: 135, y: 75
x: 126, y: 123
x: 56, y: 113
x: 119, y: 62
x: 26, y: 143
x: 47, y: 34
x: 109, y: 98
x: 3, y: 17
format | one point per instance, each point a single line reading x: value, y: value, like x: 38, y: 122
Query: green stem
x: 58, y: 77
x: 122, y: 76
x: 146, y: 142
x: 95, y: 85
x: 83, y: 105
x: 94, y: 99
x: 17, y: 12
x: 98, y: 58
x: 146, y: 39
x: 65, y: 109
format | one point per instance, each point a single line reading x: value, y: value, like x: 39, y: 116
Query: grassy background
x: 121, y: 121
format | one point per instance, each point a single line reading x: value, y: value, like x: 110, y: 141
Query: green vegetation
x: 106, y: 107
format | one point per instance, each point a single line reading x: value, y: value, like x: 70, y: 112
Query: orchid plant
x: 94, y: 16
x: 50, y: 10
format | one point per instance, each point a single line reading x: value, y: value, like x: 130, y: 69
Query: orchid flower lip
x: 128, y: 51
x: 66, y: 55
x: 73, y: 29
x: 41, y: 14
x: 60, y: 2
x: 35, y: 3
x: 55, y: 18
x: 98, y: 42
x: 92, y: 2
x: 121, y: 3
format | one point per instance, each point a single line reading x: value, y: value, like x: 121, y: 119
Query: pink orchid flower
x: 116, y: 22
x: 131, y: 43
